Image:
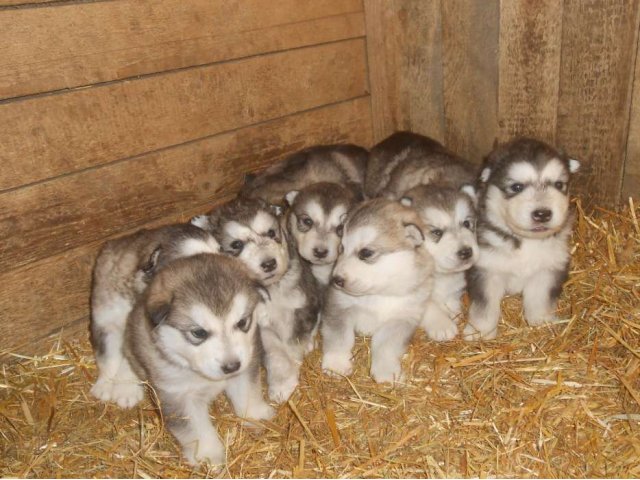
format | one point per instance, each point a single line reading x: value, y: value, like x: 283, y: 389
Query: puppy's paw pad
x: 336, y: 364
x: 281, y: 391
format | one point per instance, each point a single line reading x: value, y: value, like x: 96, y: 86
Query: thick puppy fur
x: 314, y: 220
x: 523, y: 231
x: 343, y: 163
x: 405, y: 160
x: 449, y: 216
x: 123, y: 269
x: 251, y: 230
x: 380, y: 287
x: 192, y: 336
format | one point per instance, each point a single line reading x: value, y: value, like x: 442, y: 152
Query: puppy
x: 405, y: 160
x: 449, y: 216
x: 314, y: 221
x: 123, y: 269
x: 343, y: 163
x: 250, y: 230
x: 192, y: 336
x: 381, y: 284
x: 523, y: 231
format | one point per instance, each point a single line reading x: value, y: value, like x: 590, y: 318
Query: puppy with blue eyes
x: 380, y: 287
x: 193, y: 336
x: 123, y: 270
x: 449, y: 215
x: 250, y: 230
x: 523, y: 232
x: 314, y: 220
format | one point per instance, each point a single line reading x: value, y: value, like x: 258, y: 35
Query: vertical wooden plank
x: 470, y: 31
x: 631, y: 178
x: 599, y: 42
x: 530, y: 34
x: 404, y: 49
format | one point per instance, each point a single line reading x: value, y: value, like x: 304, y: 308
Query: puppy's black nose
x: 320, y: 252
x: 465, y: 253
x: 338, y: 281
x: 541, y: 215
x: 269, y: 265
x: 230, y: 367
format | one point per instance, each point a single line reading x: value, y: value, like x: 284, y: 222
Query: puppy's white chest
x: 322, y: 273
x: 372, y: 312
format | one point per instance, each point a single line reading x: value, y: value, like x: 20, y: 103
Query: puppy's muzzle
x: 269, y: 265
x: 541, y: 215
x: 320, y: 253
x: 464, y: 253
x: 230, y: 367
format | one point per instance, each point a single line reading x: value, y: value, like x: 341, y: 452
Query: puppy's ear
x: 485, y: 174
x: 574, y: 165
x: 159, y: 299
x: 277, y: 210
x: 149, y: 267
x: 414, y: 234
x: 291, y: 196
x: 263, y: 292
x: 200, y: 221
x: 406, y: 201
x: 470, y: 191
x: 158, y: 313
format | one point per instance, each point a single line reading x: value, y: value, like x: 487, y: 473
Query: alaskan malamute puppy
x: 381, y: 284
x: 342, y: 163
x: 523, y: 232
x: 250, y: 230
x: 314, y: 220
x: 449, y: 216
x: 193, y: 336
x: 123, y: 270
x: 405, y: 160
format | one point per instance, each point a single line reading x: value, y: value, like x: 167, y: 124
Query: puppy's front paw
x: 206, y: 450
x: 541, y: 318
x: 337, y: 363
x: 281, y: 390
x: 440, y: 328
x: 387, y: 372
x: 471, y: 333
x: 124, y: 394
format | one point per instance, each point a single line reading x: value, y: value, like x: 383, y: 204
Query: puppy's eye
x: 237, y: 245
x: 340, y: 230
x: 307, y: 221
x: 244, y: 324
x: 436, y: 233
x: 271, y: 233
x: 199, y: 333
x: 559, y: 185
x: 365, y: 253
x: 468, y: 224
x: 516, y: 187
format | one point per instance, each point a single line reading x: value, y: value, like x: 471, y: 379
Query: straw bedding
x: 554, y: 401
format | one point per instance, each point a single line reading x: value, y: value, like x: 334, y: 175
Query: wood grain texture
x: 52, y: 135
x: 599, y: 41
x: 631, y: 179
x: 54, y: 216
x: 404, y: 50
x: 530, y: 34
x: 470, y: 71
x: 104, y: 41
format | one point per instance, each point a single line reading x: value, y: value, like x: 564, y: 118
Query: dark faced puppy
x: 314, y: 220
x: 523, y: 232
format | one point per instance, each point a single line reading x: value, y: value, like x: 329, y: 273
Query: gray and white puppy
x: 523, y: 231
x: 342, y: 163
x: 123, y: 270
x: 250, y: 230
x: 193, y: 336
x: 381, y: 284
x: 449, y: 216
x: 405, y: 160
x: 314, y: 220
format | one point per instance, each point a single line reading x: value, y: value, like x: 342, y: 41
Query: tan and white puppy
x: 449, y: 216
x: 405, y: 160
x: 342, y: 163
x: 193, y: 336
x: 123, y: 270
x: 523, y: 231
x: 250, y: 230
x: 381, y: 284
x: 314, y: 220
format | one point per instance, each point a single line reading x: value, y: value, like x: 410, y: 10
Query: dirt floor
x: 554, y: 401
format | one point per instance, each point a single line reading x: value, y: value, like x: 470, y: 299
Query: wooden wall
x: 470, y: 71
x: 120, y: 114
